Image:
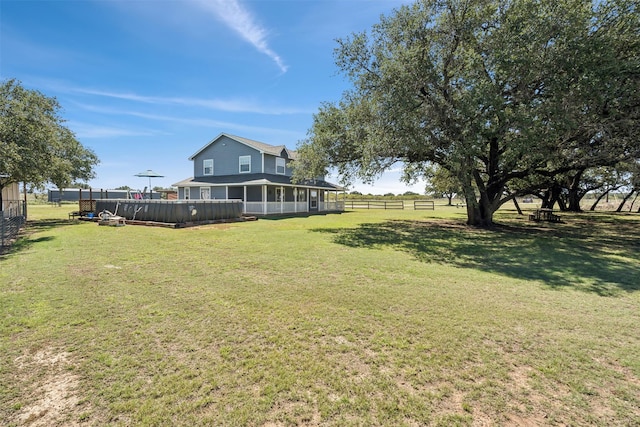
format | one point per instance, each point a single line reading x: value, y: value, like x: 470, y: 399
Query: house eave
x: 226, y: 182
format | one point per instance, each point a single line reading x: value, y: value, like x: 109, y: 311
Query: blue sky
x: 147, y: 83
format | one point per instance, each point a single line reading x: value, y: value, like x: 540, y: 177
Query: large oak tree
x: 35, y: 146
x: 503, y: 94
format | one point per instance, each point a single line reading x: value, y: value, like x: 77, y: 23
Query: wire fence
x: 12, y: 219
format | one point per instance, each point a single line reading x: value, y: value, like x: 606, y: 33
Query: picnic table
x: 544, y: 214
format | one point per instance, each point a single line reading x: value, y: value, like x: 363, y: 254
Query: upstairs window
x: 280, y: 166
x: 245, y: 164
x: 207, y: 167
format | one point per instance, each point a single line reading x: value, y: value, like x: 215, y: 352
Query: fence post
x: 1, y: 229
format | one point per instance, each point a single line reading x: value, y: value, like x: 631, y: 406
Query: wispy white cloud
x: 233, y: 106
x: 87, y: 130
x: 94, y: 131
x: 237, y: 17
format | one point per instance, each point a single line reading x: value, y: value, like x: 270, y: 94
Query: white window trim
x: 240, y: 159
x: 204, y: 166
x: 187, y: 193
x: 284, y: 166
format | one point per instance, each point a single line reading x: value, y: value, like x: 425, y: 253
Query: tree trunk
x: 634, y: 201
x: 479, y: 215
x: 561, y: 204
x: 593, y: 207
x: 574, y: 201
x: 480, y: 211
x: 450, y: 197
x: 545, y: 197
x: 556, y: 197
x: 515, y: 202
x: 625, y: 200
x: 574, y: 195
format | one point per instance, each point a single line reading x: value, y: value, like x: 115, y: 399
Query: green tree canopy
x: 35, y: 146
x: 442, y: 183
x: 503, y: 94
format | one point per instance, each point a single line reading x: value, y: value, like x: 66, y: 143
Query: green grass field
x: 365, y: 318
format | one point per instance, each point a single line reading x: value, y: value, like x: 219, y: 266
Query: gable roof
x: 274, y: 150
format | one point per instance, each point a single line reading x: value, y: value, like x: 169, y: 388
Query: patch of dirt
x: 221, y: 226
x: 520, y: 386
x: 52, y: 395
x: 299, y: 413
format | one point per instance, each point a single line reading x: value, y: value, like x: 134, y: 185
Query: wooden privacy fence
x: 387, y: 204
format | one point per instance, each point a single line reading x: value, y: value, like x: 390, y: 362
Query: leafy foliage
x: 443, y: 183
x: 35, y: 146
x: 505, y: 95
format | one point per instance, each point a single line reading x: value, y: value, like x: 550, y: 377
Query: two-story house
x: 259, y: 174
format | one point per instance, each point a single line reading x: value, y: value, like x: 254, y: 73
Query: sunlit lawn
x: 365, y: 318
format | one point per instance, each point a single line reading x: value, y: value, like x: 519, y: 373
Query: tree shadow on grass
x: 591, y: 254
x: 24, y: 240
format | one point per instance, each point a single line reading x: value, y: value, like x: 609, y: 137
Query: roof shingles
x: 274, y: 150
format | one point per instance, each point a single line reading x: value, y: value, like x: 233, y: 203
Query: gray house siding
x: 226, y: 158
x: 270, y: 164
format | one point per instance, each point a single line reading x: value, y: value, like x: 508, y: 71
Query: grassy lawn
x: 365, y: 318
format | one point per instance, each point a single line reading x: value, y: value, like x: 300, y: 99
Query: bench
x: 81, y: 214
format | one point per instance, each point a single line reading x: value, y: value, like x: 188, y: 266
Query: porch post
x: 281, y: 199
x: 264, y: 199
x: 226, y: 192
x: 295, y: 200
x: 244, y: 198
